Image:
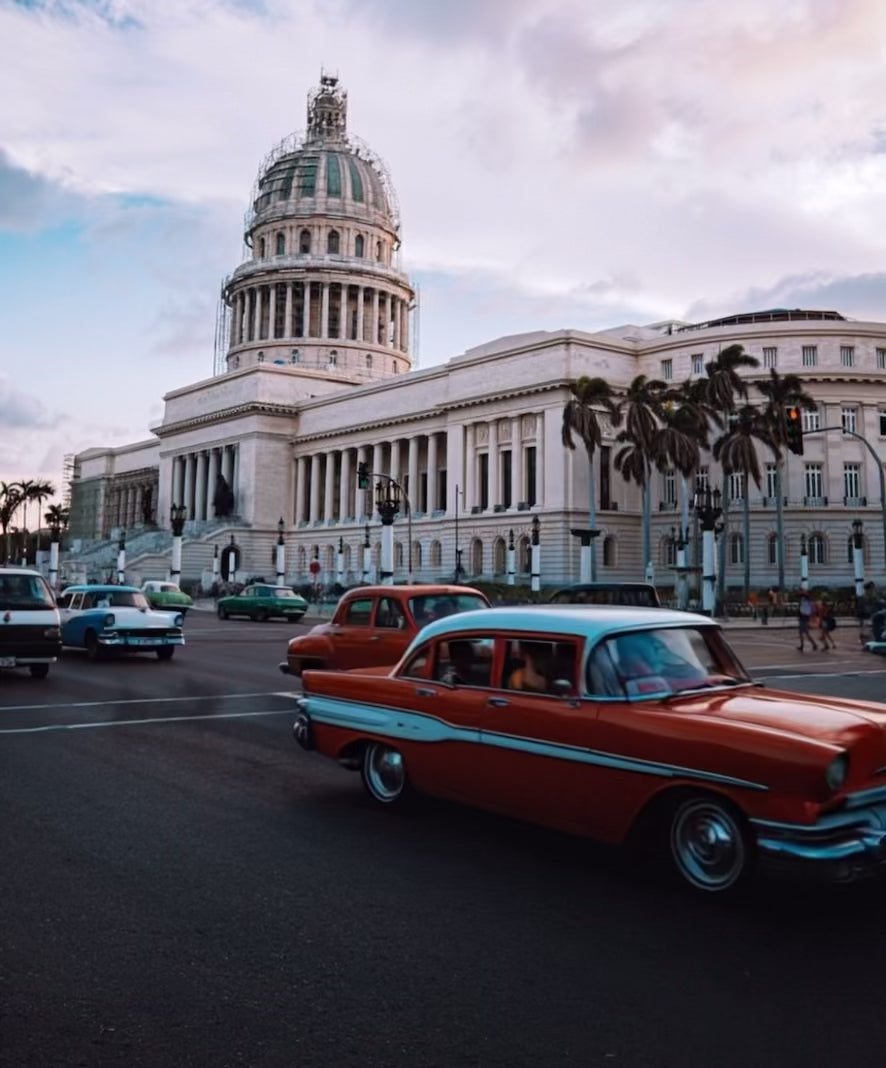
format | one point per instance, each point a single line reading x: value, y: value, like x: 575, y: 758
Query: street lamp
x: 858, y: 557
x: 804, y: 563
x: 121, y: 558
x: 340, y: 562
x: 54, y: 535
x: 708, y: 510
x: 679, y: 541
x: 367, y: 555
x: 178, y: 515
x: 457, y: 549
x: 281, y: 553
x: 511, y: 559
x: 535, y: 556
x: 387, y: 501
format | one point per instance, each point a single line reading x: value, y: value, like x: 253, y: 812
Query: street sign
x: 315, y: 567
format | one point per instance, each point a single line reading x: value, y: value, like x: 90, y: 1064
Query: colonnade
x: 130, y: 504
x: 195, y: 474
x: 320, y: 309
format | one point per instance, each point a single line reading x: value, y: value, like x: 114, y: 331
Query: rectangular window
x: 771, y: 480
x: 881, y: 359
x: 813, y: 481
x: 736, y: 486
x: 667, y: 370
x: 506, y: 468
x: 442, y: 490
x: 810, y: 355
x: 483, y: 464
x: 702, y: 480
x: 697, y: 364
x: 851, y: 480
x: 849, y: 417
x: 811, y: 420
x: 882, y: 414
x: 605, y: 487
x: 669, y: 479
x: 770, y: 357
x: 531, y: 480
x: 847, y: 355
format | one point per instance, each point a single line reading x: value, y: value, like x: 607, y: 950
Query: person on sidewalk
x: 826, y: 625
x: 805, y: 615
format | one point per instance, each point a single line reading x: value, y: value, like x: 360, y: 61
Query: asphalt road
x: 181, y: 885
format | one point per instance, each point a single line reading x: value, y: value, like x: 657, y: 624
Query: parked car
x: 168, y: 596
x: 637, y: 594
x: 263, y: 601
x: 29, y: 622
x: 373, y: 625
x: 104, y: 619
x: 640, y: 723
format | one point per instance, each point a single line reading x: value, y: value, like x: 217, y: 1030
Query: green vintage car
x: 166, y: 595
x: 262, y: 601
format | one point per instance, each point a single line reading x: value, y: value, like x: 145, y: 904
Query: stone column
x: 235, y: 480
x: 324, y: 309
x: 405, y: 334
x: 360, y: 313
x: 516, y: 463
x: 190, y: 462
x: 470, y: 468
x: 300, y: 479
x: 287, y: 312
x: 178, y: 483
x: 200, y: 488
x: 257, y: 313
x: 329, y: 493
x: 211, y: 478
x: 375, y: 324
x: 315, y: 487
x: 227, y: 462
x: 394, y: 469
x: 388, y: 305
x: 272, y: 311
x: 396, y: 313
x: 494, y: 487
x: 413, y: 472
x: 540, y: 434
x: 344, y: 487
x: 433, y: 479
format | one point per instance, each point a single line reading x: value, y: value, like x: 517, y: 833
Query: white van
x: 30, y: 629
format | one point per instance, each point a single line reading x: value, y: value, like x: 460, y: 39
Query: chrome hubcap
x: 707, y: 845
x: 385, y: 772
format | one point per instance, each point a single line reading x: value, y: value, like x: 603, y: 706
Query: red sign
x: 315, y: 567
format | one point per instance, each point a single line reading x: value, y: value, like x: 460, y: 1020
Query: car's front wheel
x: 39, y: 671
x: 166, y: 652
x: 222, y: 612
x: 93, y: 646
x: 261, y: 616
x: 710, y: 848
x: 384, y: 773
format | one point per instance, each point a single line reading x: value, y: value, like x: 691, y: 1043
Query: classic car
x: 116, y: 619
x: 640, y: 725
x: 637, y: 594
x: 263, y: 601
x: 372, y: 625
x: 167, y: 596
x: 29, y: 622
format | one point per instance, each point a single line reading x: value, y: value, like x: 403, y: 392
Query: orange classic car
x: 610, y: 723
x: 373, y: 625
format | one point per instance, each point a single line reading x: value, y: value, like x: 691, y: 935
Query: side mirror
x: 562, y: 688
x: 451, y: 678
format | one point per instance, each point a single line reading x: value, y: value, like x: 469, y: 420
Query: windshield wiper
x: 702, y: 686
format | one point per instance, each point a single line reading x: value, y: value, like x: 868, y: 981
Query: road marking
x: 150, y: 701
x: 140, y: 722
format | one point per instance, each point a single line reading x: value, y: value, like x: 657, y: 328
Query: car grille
x: 148, y: 632
x: 27, y: 641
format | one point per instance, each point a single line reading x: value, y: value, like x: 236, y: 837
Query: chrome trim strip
x: 415, y: 726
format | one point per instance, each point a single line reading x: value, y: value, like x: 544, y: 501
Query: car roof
x: 414, y: 590
x: 590, y: 621
x: 19, y: 571
x: 80, y: 587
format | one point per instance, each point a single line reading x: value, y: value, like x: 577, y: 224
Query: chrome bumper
x: 284, y: 667
x: 302, y: 730
x: 850, y: 841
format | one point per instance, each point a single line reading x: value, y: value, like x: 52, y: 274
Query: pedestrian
x: 805, y: 614
x: 827, y: 623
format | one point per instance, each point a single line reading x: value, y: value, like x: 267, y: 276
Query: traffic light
x: 794, y: 430
x: 363, y: 476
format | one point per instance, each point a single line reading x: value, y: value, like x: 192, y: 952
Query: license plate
x: 142, y: 641
x: 7, y: 661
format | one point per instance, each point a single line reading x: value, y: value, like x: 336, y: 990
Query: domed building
x: 313, y: 378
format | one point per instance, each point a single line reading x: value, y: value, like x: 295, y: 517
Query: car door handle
x: 422, y: 692
x: 375, y: 637
x: 498, y: 702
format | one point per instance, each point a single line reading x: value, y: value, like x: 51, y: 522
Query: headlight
x: 52, y: 632
x: 110, y: 620
x: 179, y: 619
x: 837, y: 771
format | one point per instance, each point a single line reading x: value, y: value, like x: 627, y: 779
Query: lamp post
x: 54, y: 536
x: 511, y: 560
x: 387, y: 500
x: 215, y: 566
x: 535, y: 556
x: 340, y: 562
x: 281, y: 553
x: 367, y: 556
x: 708, y: 510
x: 121, y: 558
x: 679, y: 540
x: 457, y: 549
x: 232, y: 562
x: 178, y: 515
x: 858, y: 557
x: 804, y: 564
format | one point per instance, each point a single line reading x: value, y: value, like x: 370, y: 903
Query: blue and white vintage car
x: 106, y: 619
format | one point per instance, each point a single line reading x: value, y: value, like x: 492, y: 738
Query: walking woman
x: 826, y: 625
x: 805, y: 613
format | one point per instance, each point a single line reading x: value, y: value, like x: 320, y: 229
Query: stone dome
x: 324, y: 171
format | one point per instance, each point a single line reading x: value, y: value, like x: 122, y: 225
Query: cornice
x: 236, y: 411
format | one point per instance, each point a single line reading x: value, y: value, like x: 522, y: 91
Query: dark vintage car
x: 373, y: 625
x: 629, y: 594
x: 616, y: 724
x: 262, y: 601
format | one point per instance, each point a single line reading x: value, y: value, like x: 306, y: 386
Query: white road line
x: 148, y: 701
x: 140, y: 722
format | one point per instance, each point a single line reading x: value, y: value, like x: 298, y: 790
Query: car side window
x: 539, y: 666
x: 390, y: 614
x: 418, y: 666
x: 465, y: 661
x: 359, y: 612
x: 87, y: 601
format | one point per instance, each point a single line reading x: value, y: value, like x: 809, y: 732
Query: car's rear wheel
x: 166, y: 652
x: 261, y: 616
x: 384, y: 773
x: 710, y: 848
x: 38, y: 671
x: 222, y: 612
x: 93, y: 646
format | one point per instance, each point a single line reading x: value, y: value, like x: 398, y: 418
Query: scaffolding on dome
x: 222, y: 334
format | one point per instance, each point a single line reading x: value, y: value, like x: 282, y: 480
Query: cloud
x: 20, y: 411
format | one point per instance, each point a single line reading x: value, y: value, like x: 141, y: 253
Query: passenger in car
x: 533, y: 673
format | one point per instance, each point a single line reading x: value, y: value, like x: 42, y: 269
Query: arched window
x: 524, y: 557
x: 281, y: 244
x: 359, y: 244
x: 236, y: 362
x: 261, y: 248
x: 736, y: 549
x: 376, y: 555
x: 301, y: 559
x: 817, y: 549
x: 609, y: 551
x: 329, y: 554
x: 398, y: 554
x: 295, y: 356
x: 668, y: 552
x: 416, y: 555
x: 261, y: 357
x: 499, y: 549
x: 346, y: 558
x: 378, y: 251
x: 304, y: 241
x: 368, y: 359
x: 436, y: 554
x: 333, y: 358
x: 772, y: 549
x: 333, y: 242
x: 476, y: 557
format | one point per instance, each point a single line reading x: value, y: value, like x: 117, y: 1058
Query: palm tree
x: 736, y: 451
x: 32, y: 490
x: 781, y: 392
x: 641, y: 408
x: 581, y: 417
x: 724, y: 383
x: 56, y: 515
x: 10, y: 500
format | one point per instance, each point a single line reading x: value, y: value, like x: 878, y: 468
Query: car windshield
x: 27, y: 592
x: 121, y: 599
x: 431, y: 606
x: 662, y: 661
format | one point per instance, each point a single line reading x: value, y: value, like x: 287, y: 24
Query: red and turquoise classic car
x: 616, y: 724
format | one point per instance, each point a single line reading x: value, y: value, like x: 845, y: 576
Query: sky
x: 558, y: 163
